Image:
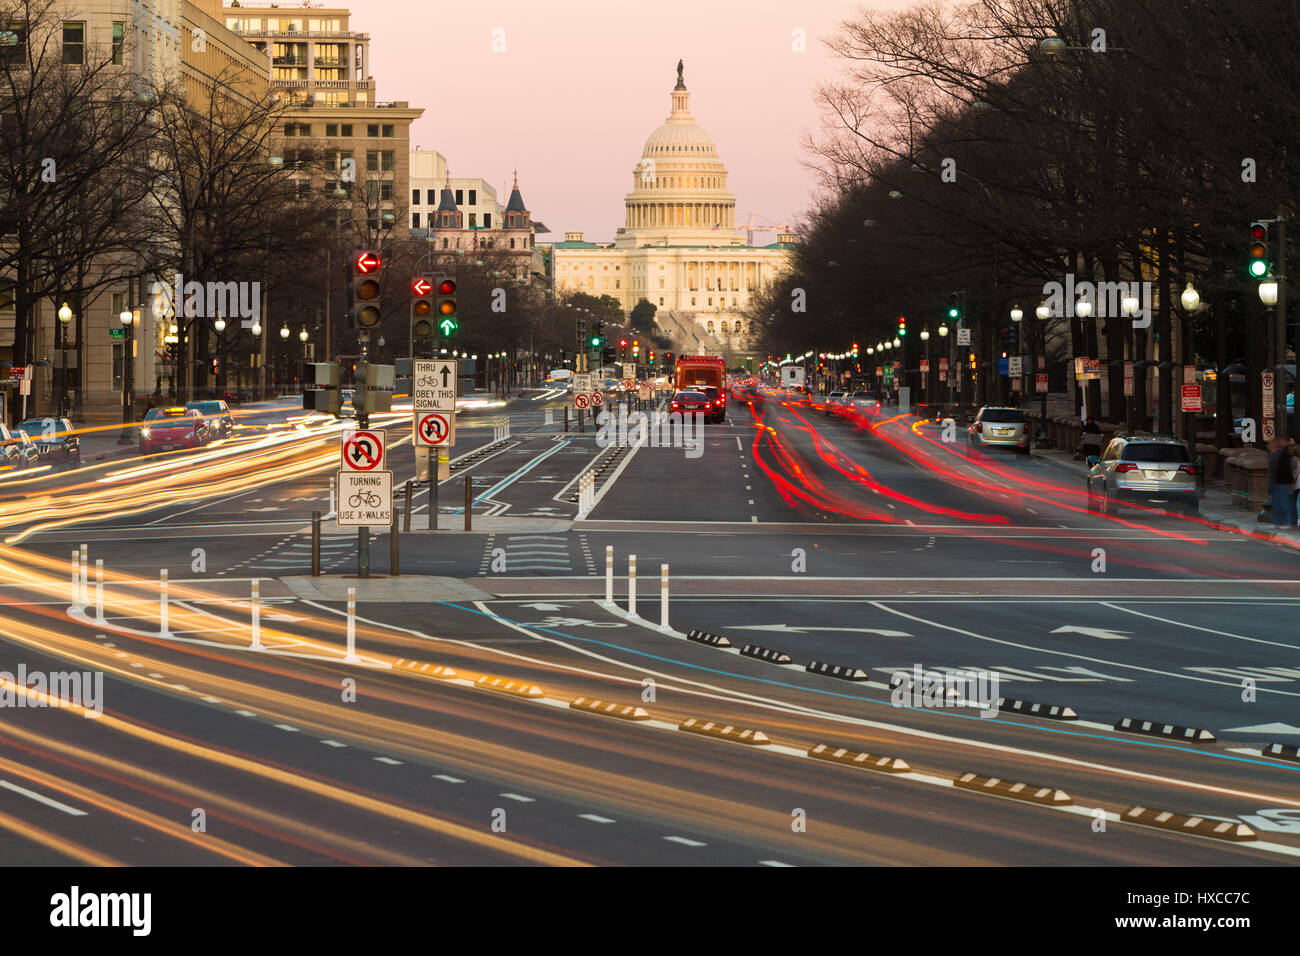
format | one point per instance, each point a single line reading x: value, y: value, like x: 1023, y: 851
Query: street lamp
x: 1268, y: 292
x: 1083, y: 308
x: 127, y: 318
x: 65, y: 316
x: 1016, y: 313
x: 1043, y: 312
x: 1191, y: 298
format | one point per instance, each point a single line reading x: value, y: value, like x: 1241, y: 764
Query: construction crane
x: 750, y: 227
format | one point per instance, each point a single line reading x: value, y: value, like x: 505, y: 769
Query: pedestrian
x: 1280, y: 480
x: 1090, y: 440
x: 1295, y: 483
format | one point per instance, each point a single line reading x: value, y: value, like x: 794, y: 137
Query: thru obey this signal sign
x: 363, y: 451
x: 435, y: 428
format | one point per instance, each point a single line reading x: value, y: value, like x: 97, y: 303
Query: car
x: 692, y: 402
x: 17, y: 450
x: 995, y: 425
x: 717, y: 401
x: 55, y: 439
x: 217, y: 415
x: 165, y: 429
x: 1142, y: 469
x: 865, y: 403
x: 833, y: 401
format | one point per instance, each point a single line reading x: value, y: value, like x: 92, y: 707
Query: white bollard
x: 76, y: 578
x: 550, y: 418
x: 507, y: 428
x: 99, y: 590
x: 255, y: 603
x: 609, y: 575
x: 351, y: 655
x: 162, y: 604
x: 332, y: 511
x: 85, y: 571
x: 631, y: 585
x: 663, y: 597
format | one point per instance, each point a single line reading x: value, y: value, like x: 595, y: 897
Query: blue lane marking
x: 510, y: 479
x: 867, y: 700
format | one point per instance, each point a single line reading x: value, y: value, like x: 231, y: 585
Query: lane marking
x: 517, y: 796
x: 443, y: 776
x: 684, y: 841
x: 289, y: 727
x: 390, y: 761
x: 595, y: 818
x: 333, y: 743
x: 773, y: 863
x: 41, y: 798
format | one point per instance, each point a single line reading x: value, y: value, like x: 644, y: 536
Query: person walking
x: 1295, y: 483
x: 1280, y: 480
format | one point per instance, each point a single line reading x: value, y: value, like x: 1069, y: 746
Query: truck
x: 694, y: 371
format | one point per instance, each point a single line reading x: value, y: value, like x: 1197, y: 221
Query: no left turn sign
x: 363, y: 451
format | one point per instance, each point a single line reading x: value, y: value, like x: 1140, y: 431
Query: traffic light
x: 855, y: 349
x: 320, y: 387
x: 448, y: 323
x: 650, y: 356
x: 954, y: 310
x: 668, y: 361
x: 902, y: 326
x: 363, y: 290
x: 622, y: 349
x: 1259, y: 265
x: 582, y: 332
x: 636, y: 350
x: 597, y: 333
x: 423, y: 330
x: 972, y: 361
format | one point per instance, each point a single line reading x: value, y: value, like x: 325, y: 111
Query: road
x: 457, y: 725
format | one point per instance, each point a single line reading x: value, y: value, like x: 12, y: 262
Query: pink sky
x: 582, y: 83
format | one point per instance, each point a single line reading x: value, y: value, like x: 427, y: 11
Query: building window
x: 415, y: 197
x: 710, y: 300
x: 444, y: 243
x: 737, y: 329
x: 372, y: 160
x: 460, y: 197
x: 661, y: 300
x: 386, y: 192
x: 388, y: 130
x: 345, y: 129
x: 710, y: 321
x: 372, y: 129
x: 331, y: 129
x: 661, y: 283
x: 74, y: 41
x: 119, y: 40
x: 473, y: 197
x: 387, y: 156
x: 487, y: 220
x: 304, y: 129
x: 618, y: 283
x: 473, y: 221
x: 415, y: 220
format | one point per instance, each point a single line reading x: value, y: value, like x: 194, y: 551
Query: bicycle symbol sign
x: 434, y: 428
x: 365, y: 499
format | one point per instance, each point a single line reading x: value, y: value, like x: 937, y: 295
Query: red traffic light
x: 366, y: 263
x: 446, y: 287
x: 421, y: 286
x: 1258, y: 231
x: 622, y: 343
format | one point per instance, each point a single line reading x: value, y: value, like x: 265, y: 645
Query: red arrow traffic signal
x: 366, y: 263
x: 421, y: 286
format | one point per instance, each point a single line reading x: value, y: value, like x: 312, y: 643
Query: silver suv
x: 1148, y: 470
x: 999, y: 426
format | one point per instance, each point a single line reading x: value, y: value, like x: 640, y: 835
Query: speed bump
x: 842, y: 671
x: 1232, y: 830
x: 704, y: 637
x: 765, y: 654
x: 1016, y: 791
x: 1281, y: 751
x: 712, y: 728
x: 425, y: 668
x: 624, y: 711
x: 857, y: 759
x: 513, y: 687
x: 1153, y: 729
x: 1051, y: 711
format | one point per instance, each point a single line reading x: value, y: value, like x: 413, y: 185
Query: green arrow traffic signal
x: 448, y: 327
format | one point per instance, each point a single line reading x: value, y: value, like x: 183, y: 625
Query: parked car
x: 217, y: 415
x: 55, y: 440
x: 17, y: 450
x: 1142, y: 469
x: 999, y: 426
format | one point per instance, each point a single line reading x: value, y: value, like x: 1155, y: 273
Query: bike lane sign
x: 365, y: 499
x: 433, y: 385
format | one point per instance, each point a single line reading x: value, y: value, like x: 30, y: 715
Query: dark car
x: 692, y: 402
x: 717, y: 403
x: 55, y: 440
x: 17, y: 451
x: 217, y: 415
x: 167, y: 428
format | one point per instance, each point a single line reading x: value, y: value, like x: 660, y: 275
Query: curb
x: 711, y: 728
x: 854, y: 758
x: 1037, y: 710
x: 1050, y: 796
x: 842, y: 671
x: 704, y: 637
x: 1281, y: 751
x: 765, y: 654
x: 1151, y: 729
x: 626, y: 712
x: 1168, y: 820
x: 442, y: 673
x: 502, y: 686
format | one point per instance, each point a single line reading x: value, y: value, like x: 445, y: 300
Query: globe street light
x: 65, y: 316
x: 898, y: 342
x: 219, y: 324
x: 1268, y: 292
x: 1043, y: 312
x: 126, y: 317
x: 1016, y: 313
x: 1191, y: 298
x: 943, y: 331
x: 1083, y: 308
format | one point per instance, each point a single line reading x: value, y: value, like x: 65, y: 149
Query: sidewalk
x: 1217, y: 507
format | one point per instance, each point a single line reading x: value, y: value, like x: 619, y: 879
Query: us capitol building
x: 679, y: 247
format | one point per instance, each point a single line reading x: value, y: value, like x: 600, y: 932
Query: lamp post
x: 943, y: 334
x: 302, y: 337
x: 65, y: 316
x: 925, y: 376
x: 1017, y: 314
x: 220, y: 325
x: 261, y: 366
x: 284, y: 338
x: 1043, y: 313
x: 127, y: 318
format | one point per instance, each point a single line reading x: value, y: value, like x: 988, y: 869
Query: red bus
x: 703, y: 370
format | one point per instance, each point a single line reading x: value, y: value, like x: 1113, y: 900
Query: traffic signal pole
x: 1281, y: 389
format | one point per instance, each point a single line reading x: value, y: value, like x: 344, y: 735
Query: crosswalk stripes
x: 532, y: 552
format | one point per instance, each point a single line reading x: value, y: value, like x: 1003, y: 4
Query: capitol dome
x: 679, y: 185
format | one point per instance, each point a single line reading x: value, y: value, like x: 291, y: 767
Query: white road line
x: 773, y: 863
x: 289, y: 727
x: 390, y: 761
x: 210, y: 700
x: 1197, y: 627
x: 517, y: 796
x: 333, y: 743
x: 594, y: 818
x: 683, y: 841
x: 39, y: 798
x: 443, y: 776
x: 245, y: 713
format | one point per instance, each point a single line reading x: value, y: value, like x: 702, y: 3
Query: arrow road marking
x: 1101, y: 632
x: 545, y: 607
x: 787, y: 629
